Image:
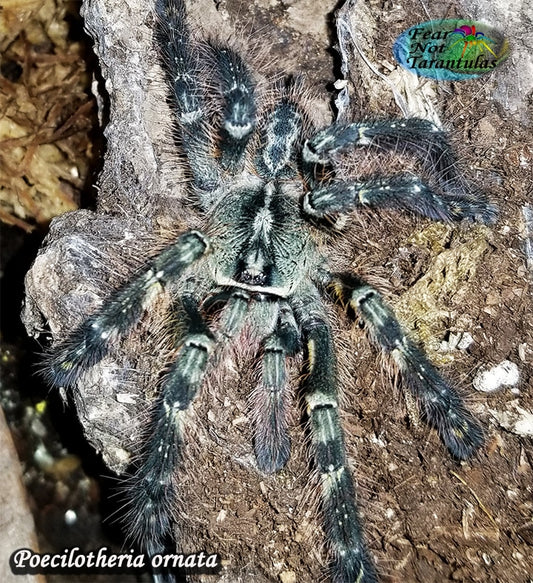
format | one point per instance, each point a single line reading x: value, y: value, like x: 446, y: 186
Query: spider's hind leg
x: 351, y: 560
x: 440, y: 403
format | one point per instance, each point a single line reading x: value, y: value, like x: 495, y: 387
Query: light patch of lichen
x: 429, y: 307
x: 434, y: 238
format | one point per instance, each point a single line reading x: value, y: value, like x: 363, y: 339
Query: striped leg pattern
x: 90, y: 342
x: 278, y: 157
x: 269, y: 400
x: 151, y: 494
x: 441, y: 405
x: 239, y: 112
x: 417, y: 137
x: 351, y: 562
x: 184, y: 71
x: 402, y: 192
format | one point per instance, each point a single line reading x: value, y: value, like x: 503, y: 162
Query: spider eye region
x: 255, y: 268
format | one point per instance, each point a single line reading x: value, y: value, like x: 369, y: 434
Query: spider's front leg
x: 239, y: 117
x: 151, y: 493
x: 352, y: 562
x: 90, y: 342
x: 269, y: 400
x: 440, y: 403
x: 184, y: 68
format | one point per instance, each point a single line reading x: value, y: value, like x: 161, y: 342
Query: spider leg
x: 183, y: 69
x: 272, y: 443
x: 234, y: 313
x: 457, y: 42
x: 90, y: 342
x: 487, y: 47
x: 418, y: 137
x: 352, y: 562
x: 402, y: 191
x: 277, y: 158
x: 239, y: 113
x: 152, y: 493
x: 440, y: 403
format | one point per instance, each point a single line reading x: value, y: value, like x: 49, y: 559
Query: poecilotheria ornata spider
x: 261, y: 175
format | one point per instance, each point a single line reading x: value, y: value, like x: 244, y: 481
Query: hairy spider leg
x: 234, y: 313
x: 419, y: 137
x: 352, y: 562
x: 239, y: 111
x: 90, y: 342
x: 269, y: 399
x: 441, y: 405
x: 268, y: 402
x: 401, y: 191
x: 152, y: 494
x: 184, y: 69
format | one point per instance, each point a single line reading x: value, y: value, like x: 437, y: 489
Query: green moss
x: 429, y: 307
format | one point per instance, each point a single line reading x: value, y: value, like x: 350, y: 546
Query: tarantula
x: 260, y: 175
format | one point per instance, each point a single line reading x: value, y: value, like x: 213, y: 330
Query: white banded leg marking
x: 125, y: 307
x: 440, y: 403
x: 342, y: 526
x: 152, y: 491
